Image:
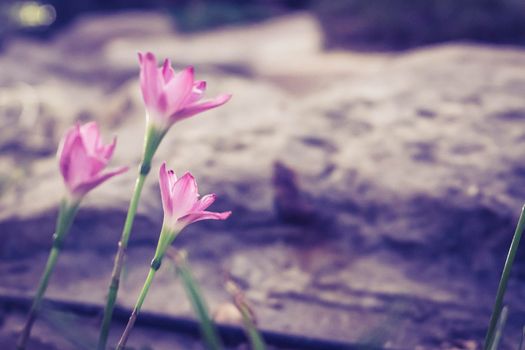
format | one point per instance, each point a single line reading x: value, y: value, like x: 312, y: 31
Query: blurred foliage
x: 69, y: 326
x: 192, y: 15
x: 398, y: 24
x: 198, y: 303
x: 189, y: 15
x: 200, y: 15
x: 377, y: 24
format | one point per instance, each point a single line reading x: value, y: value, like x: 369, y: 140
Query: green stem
x: 123, y: 340
x: 152, y: 140
x: 118, y: 264
x: 498, y: 305
x: 65, y: 219
x: 166, y: 237
x: 256, y: 340
x: 198, y: 303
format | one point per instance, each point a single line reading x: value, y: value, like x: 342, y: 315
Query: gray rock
x: 374, y: 195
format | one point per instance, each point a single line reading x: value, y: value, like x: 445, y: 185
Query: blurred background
x: 372, y: 155
x: 382, y: 24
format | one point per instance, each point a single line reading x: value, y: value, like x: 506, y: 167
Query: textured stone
x: 374, y: 195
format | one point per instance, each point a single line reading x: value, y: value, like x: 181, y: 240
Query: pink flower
x: 170, y: 96
x: 83, y: 157
x: 181, y: 203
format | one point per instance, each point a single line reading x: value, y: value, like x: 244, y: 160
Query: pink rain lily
x: 83, y: 157
x: 181, y: 202
x: 170, y: 96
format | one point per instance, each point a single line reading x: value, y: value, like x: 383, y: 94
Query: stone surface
x: 397, y: 24
x: 374, y: 195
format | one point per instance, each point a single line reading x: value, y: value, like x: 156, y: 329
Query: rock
x: 227, y: 313
x: 393, y: 24
x: 374, y: 195
x: 290, y: 204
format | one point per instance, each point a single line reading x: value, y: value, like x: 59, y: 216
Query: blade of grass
x: 248, y: 316
x: 496, y: 311
x: 256, y: 339
x: 69, y: 327
x: 502, y: 321
x: 208, y: 330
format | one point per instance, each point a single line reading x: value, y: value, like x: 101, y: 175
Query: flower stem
x: 65, y: 219
x: 37, y: 301
x: 152, y: 141
x: 123, y: 340
x: 119, y: 262
x: 498, y: 305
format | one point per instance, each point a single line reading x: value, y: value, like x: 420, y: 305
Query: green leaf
x: 70, y: 328
x: 208, y: 330
x: 256, y: 340
x: 255, y: 337
x: 499, y: 328
x: 504, y: 279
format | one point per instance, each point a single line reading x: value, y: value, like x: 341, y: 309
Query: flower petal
x: 98, y: 153
x: 199, y: 87
x: 200, y: 107
x: 184, y: 194
x: 165, y: 190
x: 88, y: 185
x: 64, y: 150
x: 179, y: 89
x: 90, y: 135
x: 172, y: 177
x: 150, y: 79
x: 163, y: 104
x: 80, y: 164
x: 167, y: 71
x: 192, y: 217
x: 204, y: 202
x: 107, y: 150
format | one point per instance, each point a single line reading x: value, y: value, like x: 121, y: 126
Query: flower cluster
x: 83, y: 157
